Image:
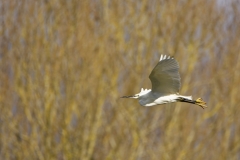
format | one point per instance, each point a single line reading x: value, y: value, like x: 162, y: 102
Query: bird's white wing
x: 165, y: 77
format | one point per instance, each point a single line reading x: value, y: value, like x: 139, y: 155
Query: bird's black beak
x: 127, y: 97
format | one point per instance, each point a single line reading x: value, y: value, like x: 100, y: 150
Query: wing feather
x: 165, y: 76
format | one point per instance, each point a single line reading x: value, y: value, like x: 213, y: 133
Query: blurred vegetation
x: 64, y: 65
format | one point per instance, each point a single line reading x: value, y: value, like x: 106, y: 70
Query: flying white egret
x: 166, y: 83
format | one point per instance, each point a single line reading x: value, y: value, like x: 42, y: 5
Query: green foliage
x: 64, y: 65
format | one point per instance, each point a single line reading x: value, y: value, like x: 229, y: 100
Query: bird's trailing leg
x: 201, y: 103
x: 198, y: 101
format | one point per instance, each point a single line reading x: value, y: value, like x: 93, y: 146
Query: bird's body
x: 166, y: 83
x: 145, y: 100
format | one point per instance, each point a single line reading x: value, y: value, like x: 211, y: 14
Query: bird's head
x: 136, y: 96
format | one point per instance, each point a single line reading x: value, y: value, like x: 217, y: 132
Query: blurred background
x: 64, y: 65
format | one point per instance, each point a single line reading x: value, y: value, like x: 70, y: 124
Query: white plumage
x: 166, y: 83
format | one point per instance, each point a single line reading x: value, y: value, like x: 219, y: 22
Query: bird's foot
x: 201, y: 103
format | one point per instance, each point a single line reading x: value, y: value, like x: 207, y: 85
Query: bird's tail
x: 188, y: 99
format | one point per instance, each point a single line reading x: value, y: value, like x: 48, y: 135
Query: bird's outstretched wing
x: 165, y: 77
